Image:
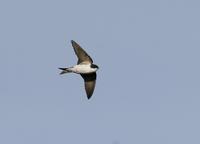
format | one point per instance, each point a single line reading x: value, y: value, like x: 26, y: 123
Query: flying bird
x: 84, y: 67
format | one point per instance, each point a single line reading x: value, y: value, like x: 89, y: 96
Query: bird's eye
x: 94, y: 66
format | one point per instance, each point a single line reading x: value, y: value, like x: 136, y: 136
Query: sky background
x: 148, y: 84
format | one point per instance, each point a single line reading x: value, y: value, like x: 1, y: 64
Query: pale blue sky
x: 148, y: 85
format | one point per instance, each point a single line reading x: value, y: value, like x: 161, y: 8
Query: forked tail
x: 64, y: 70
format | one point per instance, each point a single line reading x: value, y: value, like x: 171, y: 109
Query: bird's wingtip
x: 89, y: 96
x: 72, y: 41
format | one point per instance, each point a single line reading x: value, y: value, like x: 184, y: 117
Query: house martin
x: 84, y: 67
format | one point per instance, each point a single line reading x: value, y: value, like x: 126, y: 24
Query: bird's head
x: 94, y: 66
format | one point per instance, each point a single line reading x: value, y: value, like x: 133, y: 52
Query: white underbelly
x: 82, y: 69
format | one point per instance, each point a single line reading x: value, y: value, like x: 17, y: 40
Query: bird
x: 84, y: 67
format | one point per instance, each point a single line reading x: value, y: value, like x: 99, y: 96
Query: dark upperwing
x: 83, y: 57
x: 90, y: 81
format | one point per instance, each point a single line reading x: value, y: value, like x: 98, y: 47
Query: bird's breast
x: 83, y: 69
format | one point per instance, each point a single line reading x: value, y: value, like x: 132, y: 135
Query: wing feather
x: 90, y: 82
x: 83, y: 57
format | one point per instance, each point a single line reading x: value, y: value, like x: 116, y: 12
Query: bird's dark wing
x: 83, y: 57
x: 90, y: 81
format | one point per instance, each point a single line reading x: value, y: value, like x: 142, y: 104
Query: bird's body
x: 81, y: 69
x: 84, y: 67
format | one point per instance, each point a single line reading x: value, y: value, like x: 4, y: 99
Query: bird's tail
x: 65, y: 70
